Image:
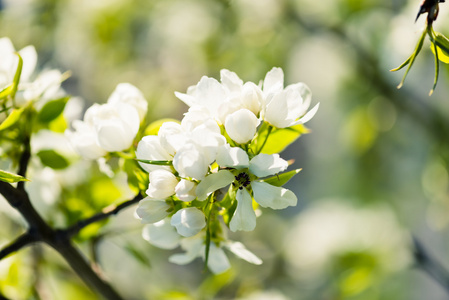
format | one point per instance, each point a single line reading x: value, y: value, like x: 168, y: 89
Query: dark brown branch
x: 428, y: 264
x: 107, y: 212
x: 23, y: 163
x: 19, y: 243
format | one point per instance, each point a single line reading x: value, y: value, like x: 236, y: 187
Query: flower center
x: 243, y: 180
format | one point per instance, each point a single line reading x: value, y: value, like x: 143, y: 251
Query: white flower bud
x: 152, y: 211
x: 150, y: 148
x: 241, y: 125
x: 162, y: 184
x: 188, y: 221
x: 161, y: 234
x: 185, y: 190
x: 129, y: 94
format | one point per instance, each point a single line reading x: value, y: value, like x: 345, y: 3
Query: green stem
x: 270, y: 128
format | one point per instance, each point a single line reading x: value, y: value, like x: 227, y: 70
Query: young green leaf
x: 280, y: 138
x: 52, y: 110
x: 281, y: 179
x: 442, y: 44
x: 17, y: 75
x: 6, y: 91
x: 153, y: 128
x: 10, y: 177
x: 53, y: 159
x: 12, y: 119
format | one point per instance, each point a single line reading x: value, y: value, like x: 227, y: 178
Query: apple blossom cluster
x: 219, y: 164
x: 110, y: 127
x: 17, y: 73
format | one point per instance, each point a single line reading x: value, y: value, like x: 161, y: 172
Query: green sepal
x: 53, y: 159
x: 11, y: 177
x: 156, y: 162
x: 52, y: 109
x: 12, y: 118
x: 281, y: 179
x: 411, y: 59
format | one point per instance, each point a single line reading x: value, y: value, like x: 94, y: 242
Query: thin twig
x: 19, y: 243
x: 107, y: 212
x: 428, y: 264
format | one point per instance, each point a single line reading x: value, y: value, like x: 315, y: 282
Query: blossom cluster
x: 110, y: 127
x: 215, y: 167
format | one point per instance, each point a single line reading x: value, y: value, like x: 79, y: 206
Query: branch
x: 429, y: 265
x: 23, y: 163
x: 107, y: 212
x: 19, y: 243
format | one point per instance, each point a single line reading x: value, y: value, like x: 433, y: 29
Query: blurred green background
x: 375, y: 166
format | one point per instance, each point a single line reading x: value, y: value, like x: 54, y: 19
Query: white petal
x: 267, y: 164
x: 191, y: 161
x: 213, y: 182
x: 309, y: 115
x: 186, y: 190
x: 241, y: 125
x: 271, y: 196
x: 150, y: 148
x: 231, y: 81
x: 162, y: 235
x: 162, y: 184
x: 129, y: 94
x: 188, y: 221
x: 276, y: 112
x: 152, y: 211
x: 233, y: 157
x: 244, y: 217
x: 240, y: 250
x: 194, y: 248
x: 274, y: 81
x: 29, y: 56
x: 218, y: 261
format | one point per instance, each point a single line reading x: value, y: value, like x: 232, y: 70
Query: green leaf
x: 6, y: 91
x: 53, y: 159
x: 12, y: 119
x: 10, y: 177
x: 156, y: 162
x: 281, y: 179
x: 442, y: 44
x: 17, y: 75
x: 137, y: 178
x: 280, y: 138
x: 153, y: 128
x: 52, y: 110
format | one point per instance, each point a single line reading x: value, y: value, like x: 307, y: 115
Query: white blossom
x: 161, y: 235
x: 185, y: 190
x: 128, y: 93
x: 162, y: 184
x: 241, y: 125
x: 151, y: 210
x: 150, y: 148
x: 188, y: 221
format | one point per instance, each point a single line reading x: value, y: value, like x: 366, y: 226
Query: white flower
x: 116, y: 125
x: 191, y: 161
x: 185, y: 190
x: 151, y: 210
x: 128, y: 93
x: 241, y: 126
x: 218, y: 261
x: 188, y: 221
x: 264, y: 194
x: 286, y: 107
x: 162, y: 184
x: 161, y: 234
x: 84, y: 140
x: 150, y: 148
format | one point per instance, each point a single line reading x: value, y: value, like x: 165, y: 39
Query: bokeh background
x: 375, y: 165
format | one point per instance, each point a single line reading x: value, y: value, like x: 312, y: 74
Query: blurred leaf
x: 53, y: 159
x: 6, y: 91
x: 58, y: 125
x: 281, y: 179
x: 153, y: 128
x: 104, y: 192
x: 137, y: 178
x: 10, y: 177
x: 12, y: 119
x: 52, y: 109
x: 138, y: 255
x: 17, y: 76
x: 280, y: 138
x: 213, y: 284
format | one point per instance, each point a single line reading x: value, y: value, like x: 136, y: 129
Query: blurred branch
x: 431, y: 119
x: 107, y: 212
x: 428, y: 264
x: 23, y: 163
x: 40, y: 231
x: 19, y: 243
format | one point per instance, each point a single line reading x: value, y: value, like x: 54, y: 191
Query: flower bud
x: 162, y: 184
x: 241, y: 125
x: 188, y: 221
